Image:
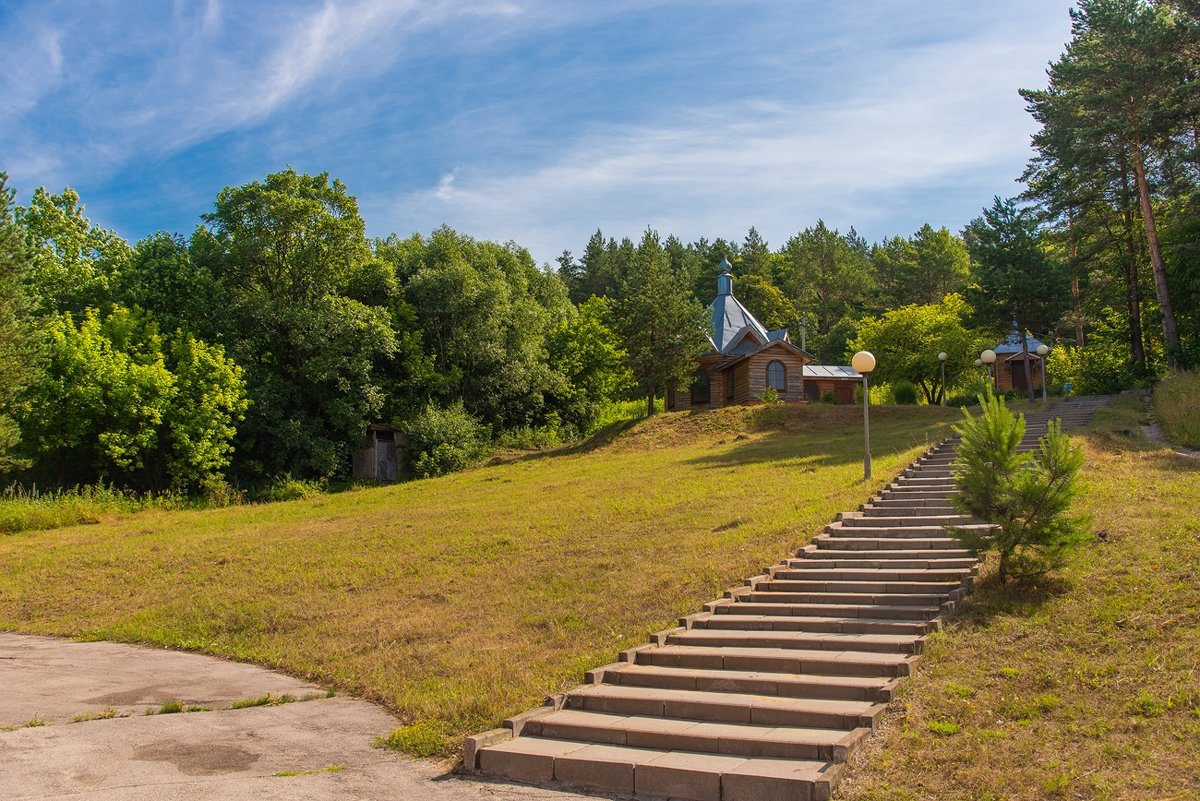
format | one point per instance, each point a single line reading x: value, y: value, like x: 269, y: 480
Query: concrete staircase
x: 766, y: 693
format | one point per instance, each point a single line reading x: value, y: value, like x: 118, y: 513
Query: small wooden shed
x: 833, y: 380
x: 1010, y: 364
x: 380, y: 455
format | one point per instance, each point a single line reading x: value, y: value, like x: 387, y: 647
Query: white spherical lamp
x: 1042, y: 350
x: 863, y: 361
x: 943, y: 356
x: 988, y: 357
x: 979, y: 362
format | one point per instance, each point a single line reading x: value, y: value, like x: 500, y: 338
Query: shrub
x: 23, y: 509
x: 288, y: 489
x: 904, y: 393
x: 444, y: 440
x: 828, y: 397
x: 1027, y: 495
x: 770, y: 396
x: 1102, y: 368
x: 1176, y: 409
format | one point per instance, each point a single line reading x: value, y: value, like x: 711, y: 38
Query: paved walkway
x: 308, y: 749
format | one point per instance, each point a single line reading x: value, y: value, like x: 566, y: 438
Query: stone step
x: 813, y: 554
x: 862, y: 573
x: 814, y: 624
x: 647, y: 772
x: 854, y: 560
x: 779, y: 660
x: 844, y: 688
x: 725, y: 707
x: 861, y: 540
x: 849, y: 597
x: 909, y: 491
x: 803, y: 640
x: 861, y: 519
x: 789, y: 586
x: 671, y: 734
x: 886, y: 508
x: 842, y: 530
x: 876, y: 611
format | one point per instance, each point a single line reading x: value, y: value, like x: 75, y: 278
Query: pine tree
x: 661, y: 325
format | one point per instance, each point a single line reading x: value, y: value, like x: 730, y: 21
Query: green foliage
x: 827, y: 274
x: 17, y: 354
x: 920, y: 270
x: 423, y: 739
x: 208, y: 402
x: 943, y: 728
x: 285, y: 253
x: 906, y: 343
x: 32, y: 509
x: 1015, y: 279
x: 443, y: 440
x: 74, y: 262
x: 1102, y: 368
x: 486, y: 312
x: 588, y: 353
x: 904, y: 393
x: 115, y: 403
x: 770, y: 396
x: 663, y: 329
x: 1175, y: 406
x: 1027, y: 495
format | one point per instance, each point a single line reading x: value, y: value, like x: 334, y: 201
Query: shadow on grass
x: 599, y: 439
x: 836, y: 440
x: 990, y: 599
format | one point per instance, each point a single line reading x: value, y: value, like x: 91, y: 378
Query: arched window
x: 776, y: 376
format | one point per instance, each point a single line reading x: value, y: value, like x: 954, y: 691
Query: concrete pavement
x: 307, y: 749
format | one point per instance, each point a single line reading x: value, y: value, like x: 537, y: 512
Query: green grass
x: 263, y: 700
x: 1176, y: 407
x: 1086, y: 685
x: 460, y: 600
x: 31, y: 509
x: 334, y: 768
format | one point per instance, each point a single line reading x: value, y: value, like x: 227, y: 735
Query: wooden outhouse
x: 380, y: 455
x: 1010, y: 364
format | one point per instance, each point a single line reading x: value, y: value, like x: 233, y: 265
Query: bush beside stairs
x: 765, y: 694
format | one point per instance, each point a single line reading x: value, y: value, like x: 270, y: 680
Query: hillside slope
x: 457, y: 601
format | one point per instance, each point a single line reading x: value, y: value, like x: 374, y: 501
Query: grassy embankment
x: 1177, y: 409
x: 457, y: 601
x: 1085, y: 687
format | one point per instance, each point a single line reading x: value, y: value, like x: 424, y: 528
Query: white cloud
x: 943, y: 114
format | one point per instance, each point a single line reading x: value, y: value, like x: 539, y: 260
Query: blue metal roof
x: 1013, y: 345
x: 730, y: 318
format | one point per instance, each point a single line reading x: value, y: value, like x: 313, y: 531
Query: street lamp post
x: 1042, y: 350
x: 863, y: 363
x: 942, y: 358
x: 988, y: 357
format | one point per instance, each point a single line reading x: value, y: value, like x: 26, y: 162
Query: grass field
x: 460, y: 600
x: 1085, y: 687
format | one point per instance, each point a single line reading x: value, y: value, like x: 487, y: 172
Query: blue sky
x: 532, y: 120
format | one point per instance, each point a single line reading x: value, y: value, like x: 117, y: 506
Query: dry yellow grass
x: 1086, y: 687
x: 457, y: 601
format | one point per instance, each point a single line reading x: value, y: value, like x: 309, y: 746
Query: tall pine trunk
x: 1170, y: 328
x: 1133, y: 293
x: 1076, y: 299
x: 1028, y: 369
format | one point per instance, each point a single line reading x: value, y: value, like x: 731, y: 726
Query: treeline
x: 261, y: 346
x: 1114, y: 183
